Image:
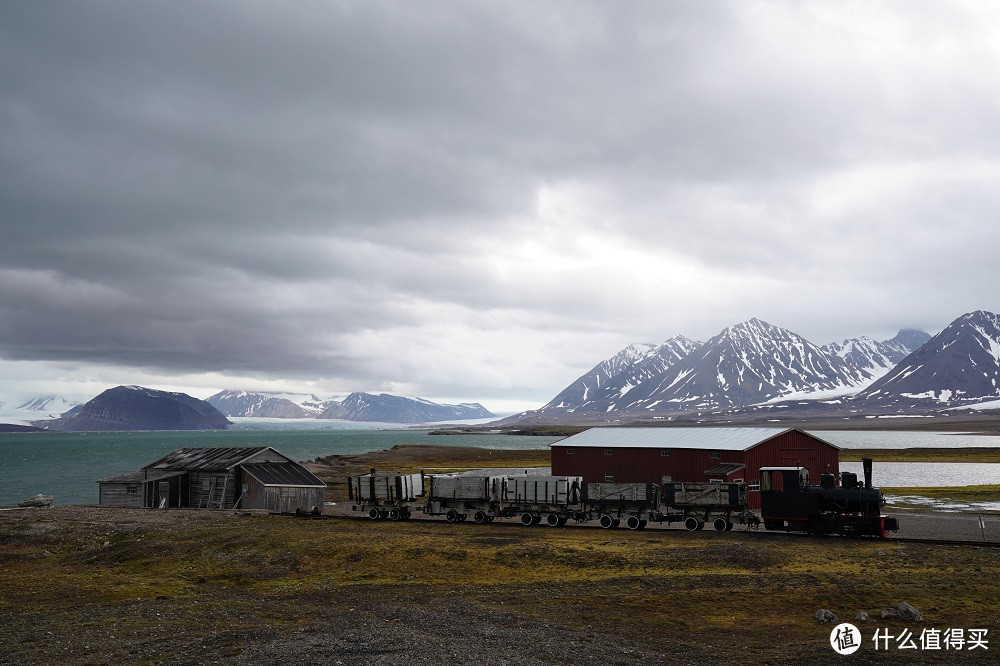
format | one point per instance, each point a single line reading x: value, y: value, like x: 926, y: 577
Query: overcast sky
x: 478, y: 200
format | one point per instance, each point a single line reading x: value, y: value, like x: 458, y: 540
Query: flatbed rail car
x: 390, y: 496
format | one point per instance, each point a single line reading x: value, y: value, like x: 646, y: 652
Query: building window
x: 753, y: 485
x: 609, y: 477
x: 737, y: 480
x: 609, y: 452
x: 666, y: 479
x: 715, y: 480
x: 131, y: 488
x: 570, y: 451
x: 713, y: 456
x: 665, y: 453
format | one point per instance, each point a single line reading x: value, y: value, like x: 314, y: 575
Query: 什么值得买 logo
x: 845, y: 638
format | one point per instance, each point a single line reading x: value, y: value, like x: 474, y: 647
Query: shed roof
x: 723, y: 469
x: 207, y: 459
x: 283, y: 474
x: 716, y: 439
x: 140, y: 476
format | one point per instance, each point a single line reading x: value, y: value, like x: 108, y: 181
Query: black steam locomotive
x: 790, y: 503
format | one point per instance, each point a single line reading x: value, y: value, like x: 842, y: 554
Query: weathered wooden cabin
x: 218, y: 478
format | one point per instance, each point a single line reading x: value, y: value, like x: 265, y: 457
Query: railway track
x: 752, y: 533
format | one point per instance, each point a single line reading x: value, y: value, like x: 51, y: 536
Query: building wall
x: 637, y: 465
x: 200, y: 488
x: 280, y: 499
x: 790, y: 449
x: 118, y: 494
x: 647, y: 465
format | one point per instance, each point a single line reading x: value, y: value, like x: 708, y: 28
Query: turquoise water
x: 68, y: 465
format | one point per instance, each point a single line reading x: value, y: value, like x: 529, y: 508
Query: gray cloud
x: 483, y: 199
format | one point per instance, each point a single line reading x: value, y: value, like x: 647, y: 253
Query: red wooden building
x: 662, y: 455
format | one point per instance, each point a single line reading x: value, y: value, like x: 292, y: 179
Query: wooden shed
x: 218, y: 478
x: 662, y: 455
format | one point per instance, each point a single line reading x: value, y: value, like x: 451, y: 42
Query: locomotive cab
x: 784, y: 497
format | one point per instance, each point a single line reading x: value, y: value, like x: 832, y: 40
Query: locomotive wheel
x: 701, y: 525
x: 554, y: 520
x: 720, y: 524
x: 616, y: 522
x: 633, y: 523
x: 374, y: 514
x: 607, y: 522
x: 479, y: 517
x: 729, y: 526
x: 451, y: 516
x: 394, y: 514
x: 691, y: 524
x: 815, y: 528
x: 527, y: 519
x: 463, y: 516
x: 489, y: 519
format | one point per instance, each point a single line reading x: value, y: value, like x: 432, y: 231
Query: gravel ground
x: 444, y: 632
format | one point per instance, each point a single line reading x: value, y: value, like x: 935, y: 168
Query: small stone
x: 933, y: 609
x: 823, y: 615
x: 861, y: 617
x: 908, y: 612
x: 889, y: 612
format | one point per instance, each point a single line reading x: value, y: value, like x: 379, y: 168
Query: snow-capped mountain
x: 745, y: 364
x: 596, y: 390
x: 50, y: 404
x: 958, y: 366
x: 355, y: 407
x: 750, y: 363
x: 874, y: 358
x: 395, y: 409
x: 244, y: 403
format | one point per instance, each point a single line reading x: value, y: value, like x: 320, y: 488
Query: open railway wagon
x: 532, y: 499
x: 695, y: 504
x: 385, y: 495
x: 612, y: 503
x: 790, y: 503
x: 458, y: 497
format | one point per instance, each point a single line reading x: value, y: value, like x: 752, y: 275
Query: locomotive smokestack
x: 867, y: 464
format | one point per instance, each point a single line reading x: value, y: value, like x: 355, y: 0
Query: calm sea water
x: 68, y: 465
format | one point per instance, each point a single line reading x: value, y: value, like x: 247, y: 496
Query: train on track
x: 788, y: 501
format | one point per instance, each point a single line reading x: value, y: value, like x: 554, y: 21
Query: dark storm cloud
x: 358, y: 189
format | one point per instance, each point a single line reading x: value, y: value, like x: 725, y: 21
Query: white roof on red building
x: 719, y: 439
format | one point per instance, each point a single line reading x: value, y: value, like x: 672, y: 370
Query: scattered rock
x: 861, y: 617
x: 908, y: 612
x: 823, y: 615
x: 903, y: 610
x: 36, y: 501
x: 933, y: 609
